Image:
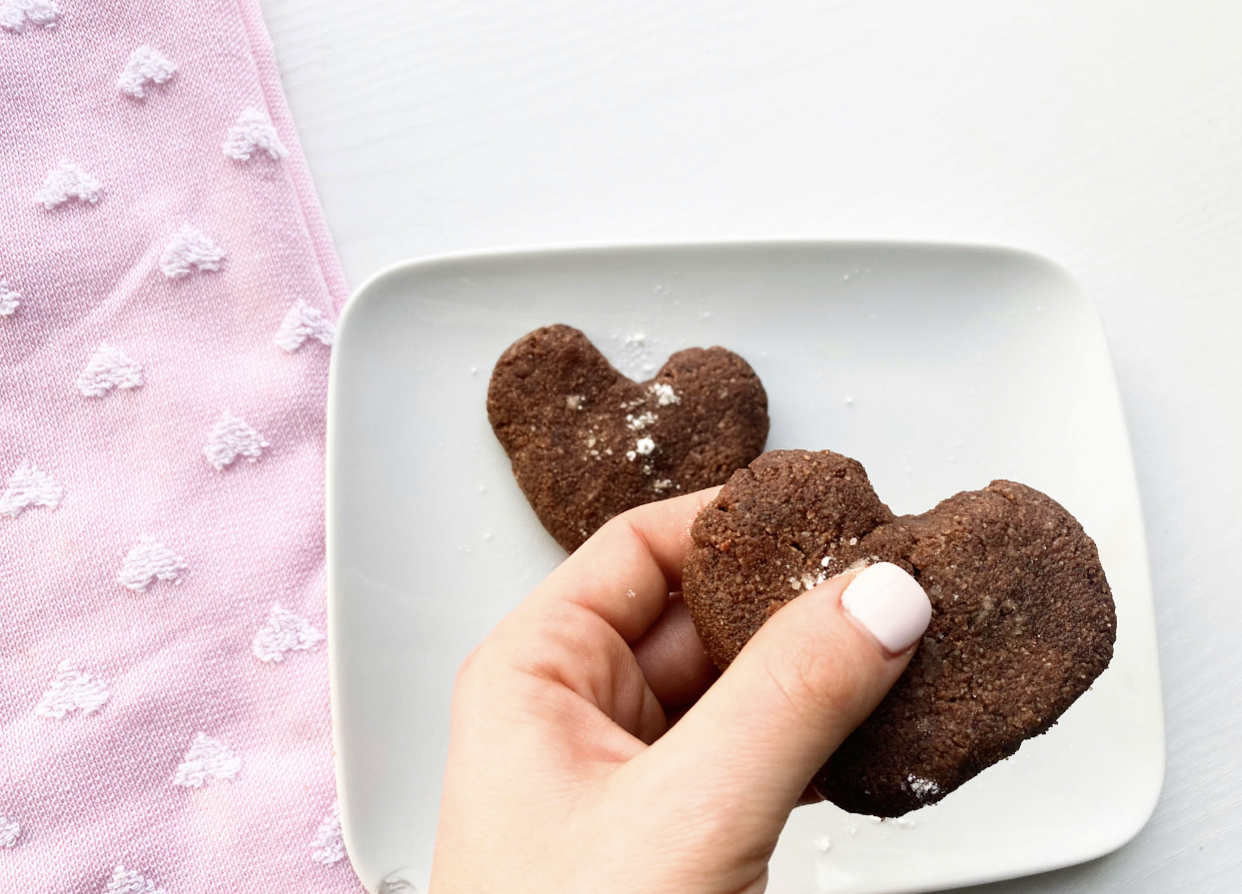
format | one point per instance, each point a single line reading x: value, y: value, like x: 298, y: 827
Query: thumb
x: 812, y: 673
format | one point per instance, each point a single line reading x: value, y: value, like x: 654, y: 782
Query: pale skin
x: 595, y: 748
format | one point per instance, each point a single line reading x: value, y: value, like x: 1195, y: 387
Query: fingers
x: 802, y: 684
x: 625, y: 572
x: 672, y: 658
x: 574, y: 630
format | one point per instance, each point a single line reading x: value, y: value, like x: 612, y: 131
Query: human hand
x: 571, y: 766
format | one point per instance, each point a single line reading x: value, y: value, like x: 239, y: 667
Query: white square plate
x: 940, y: 368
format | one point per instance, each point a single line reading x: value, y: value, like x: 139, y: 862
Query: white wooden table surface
x: 1104, y: 135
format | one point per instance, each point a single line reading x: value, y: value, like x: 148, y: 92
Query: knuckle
x: 626, y: 528
x: 479, y: 668
x: 468, y: 672
x: 812, y: 678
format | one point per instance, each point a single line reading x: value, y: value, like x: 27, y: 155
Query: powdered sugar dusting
x: 664, y: 394
x: 813, y: 580
x: 641, y: 421
x: 922, y: 788
x: 807, y: 581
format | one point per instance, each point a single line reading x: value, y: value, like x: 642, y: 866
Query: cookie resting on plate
x: 588, y: 443
x: 1022, y: 615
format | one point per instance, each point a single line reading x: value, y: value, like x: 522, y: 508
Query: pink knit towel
x: 167, y: 291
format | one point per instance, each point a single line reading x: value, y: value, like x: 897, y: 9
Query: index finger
x: 625, y: 572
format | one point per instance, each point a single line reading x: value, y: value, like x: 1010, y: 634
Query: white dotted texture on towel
x: 253, y: 133
x: 230, y: 438
x: 108, y: 368
x: 72, y: 690
x: 29, y: 486
x: 10, y: 831
x: 208, y: 759
x: 328, y: 847
x: 148, y: 562
x: 130, y: 881
x: 16, y: 14
x: 188, y: 250
x: 284, y: 632
x: 10, y: 299
x: 300, y: 323
x: 68, y: 181
x: 146, y: 66
x: 88, y: 287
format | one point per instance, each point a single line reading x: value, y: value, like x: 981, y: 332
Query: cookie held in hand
x: 1022, y: 615
x: 587, y: 443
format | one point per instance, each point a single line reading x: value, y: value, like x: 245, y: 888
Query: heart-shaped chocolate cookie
x: 1022, y: 615
x: 587, y: 443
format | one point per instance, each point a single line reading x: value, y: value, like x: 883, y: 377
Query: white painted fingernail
x: 890, y: 604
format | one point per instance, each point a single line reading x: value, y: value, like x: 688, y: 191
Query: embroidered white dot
x: 72, y: 690
x: 109, y: 368
x: 300, y: 323
x: 148, y: 562
x: 146, y: 66
x: 68, y: 181
x: 10, y: 831
x: 232, y: 437
x: 130, y: 881
x: 27, y: 487
x: 16, y: 14
x: 9, y: 299
x: 328, y: 846
x: 253, y: 133
x: 284, y: 632
x: 189, y: 250
x: 208, y: 759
